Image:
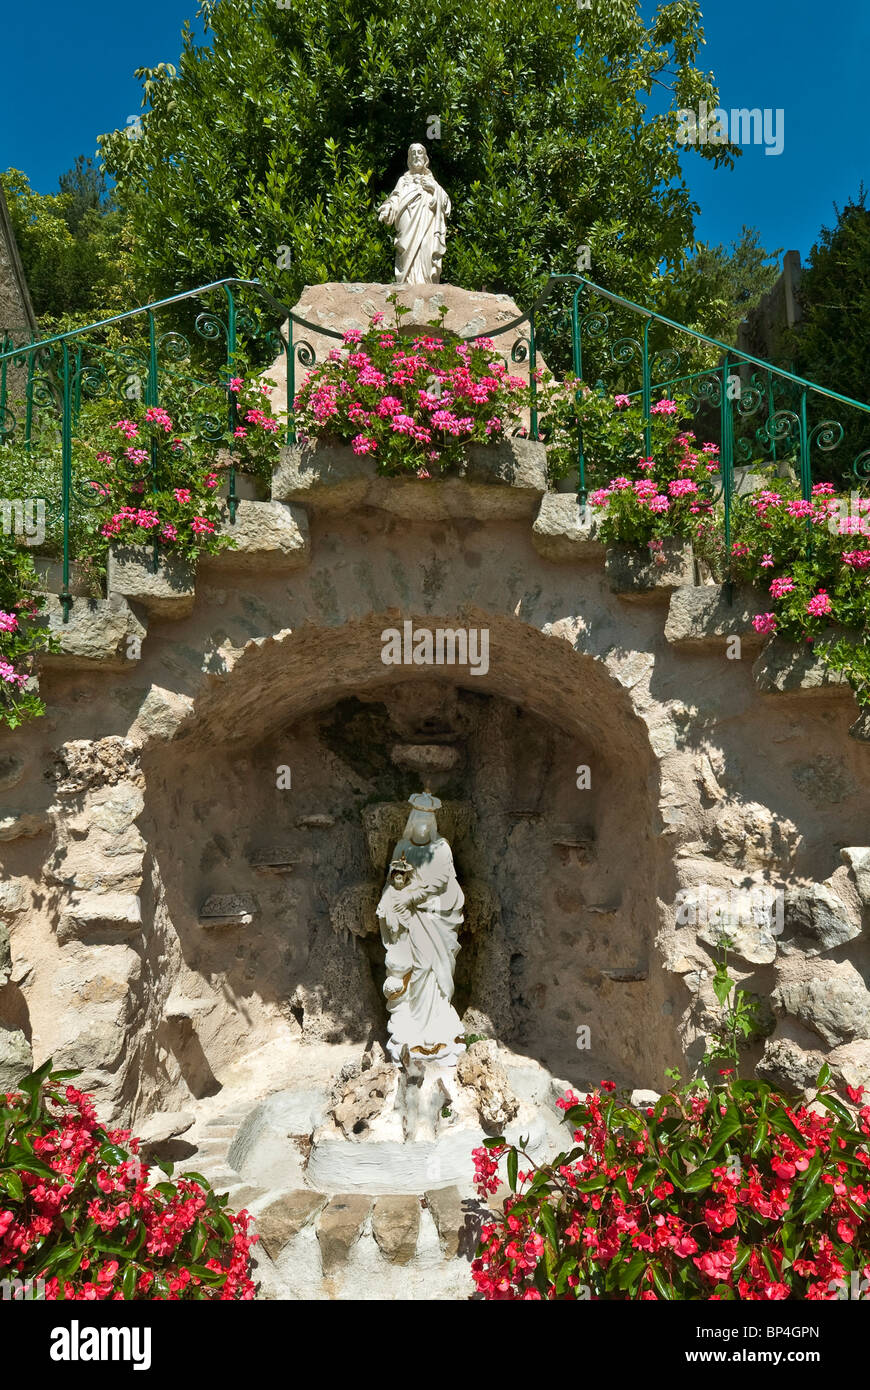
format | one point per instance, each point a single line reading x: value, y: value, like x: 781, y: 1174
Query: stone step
x: 167, y: 592
x: 100, y: 633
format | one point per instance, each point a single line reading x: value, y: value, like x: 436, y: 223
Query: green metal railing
x: 771, y: 412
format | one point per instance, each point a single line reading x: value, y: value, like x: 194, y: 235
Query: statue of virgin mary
x: 420, y: 913
x: 418, y: 208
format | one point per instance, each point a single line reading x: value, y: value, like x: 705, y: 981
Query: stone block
x: 228, y: 910
x: 396, y: 1226
x: 266, y: 535
x: 636, y: 574
x: 700, y: 615
x: 788, y: 1066
x: 751, y: 942
x: 101, y: 633
x: 96, y: 913
x: 278, y: 859
x: 49, y: 576
x: 834, y: 1002
x: 818, y: 918
x: 164, y: 1125
x: 503, y: 481
x: 786, y: 667
x: 167, y: 592
x: 23, y: 825
x: 14, y: 896
x: 565, y: 531
x: 5, y: 956
x: 284, y: 1217
x: 860, y: 730
x: 445, y: 1206
x: 858, y: 860
x: 16, y: 1058
x: 340, y: 1227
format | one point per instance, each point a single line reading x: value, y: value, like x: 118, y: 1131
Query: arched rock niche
x: 561, y: 881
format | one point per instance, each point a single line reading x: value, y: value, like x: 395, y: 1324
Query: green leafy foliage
x: 267, y: 149
x: 23, y: 633
x: 729, y: 1192
x: 79, y: 1218
x: 73, y: 246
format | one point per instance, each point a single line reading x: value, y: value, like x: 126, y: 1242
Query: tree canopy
x: 266, y: 151
x: 71, y: 243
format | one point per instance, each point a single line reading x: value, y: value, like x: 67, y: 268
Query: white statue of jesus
x: 418, y: 208
x: 421, y: 912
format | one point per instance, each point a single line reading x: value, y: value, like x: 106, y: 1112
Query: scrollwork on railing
x: 784, y: 426
x: 624, y: 350
x: 668, y: 362
x: 706, y: 392
x: 826, y: 436
x: 211, y: 327
x: 173, y: 346
x: 304, y: 353
x: 861, y: 465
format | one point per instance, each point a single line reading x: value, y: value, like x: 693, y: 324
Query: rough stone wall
x: 16, y: 310
x: 147, y: 946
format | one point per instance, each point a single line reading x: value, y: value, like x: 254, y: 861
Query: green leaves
x: 294, y: 116
x: 730, y: 1176
x: 93, y: 1231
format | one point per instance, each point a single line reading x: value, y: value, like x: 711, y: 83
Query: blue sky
x: 802, y: 56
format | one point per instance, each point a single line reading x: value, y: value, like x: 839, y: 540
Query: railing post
x: 577, y: 352
x: 66, y: 477
x: 291, y: 384
x: 726, y: 466
x: 152, y: 398
x: 6, y: 345
x: 152, y: 388
x: 533, y: 381
x: 232, y: 499
x: 28, y: 399
x: 647, y: 393
x: 77, y: 396
x: 806, y: 467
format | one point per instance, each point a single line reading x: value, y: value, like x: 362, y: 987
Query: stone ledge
x: 101, y: 633
x: 339, y: 1229
x: 267, y: 535
x: 498, y: 482
x: 23, y: 825
x: 700, y: 615
x: 565, y: 531
x: 785, y: 668
x: 99, y: 912
x: 167, y: 592
x: 634, y: 574
x: 228, y: 910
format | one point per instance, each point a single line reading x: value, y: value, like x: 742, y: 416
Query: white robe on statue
x: 419, y: 926
x: 419, y: 216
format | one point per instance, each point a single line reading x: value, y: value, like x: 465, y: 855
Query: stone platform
x: 349, y: 1216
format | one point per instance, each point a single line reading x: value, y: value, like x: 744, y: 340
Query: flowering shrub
x: 813, y: 558
x: 78, y: 1213
x: 410, y: 403
x: 664, y: 494
x: 23, y: 635
x: 727, y: 1193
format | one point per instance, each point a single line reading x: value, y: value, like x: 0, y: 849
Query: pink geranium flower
x: 764, y: 622
x: 820, y: 605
